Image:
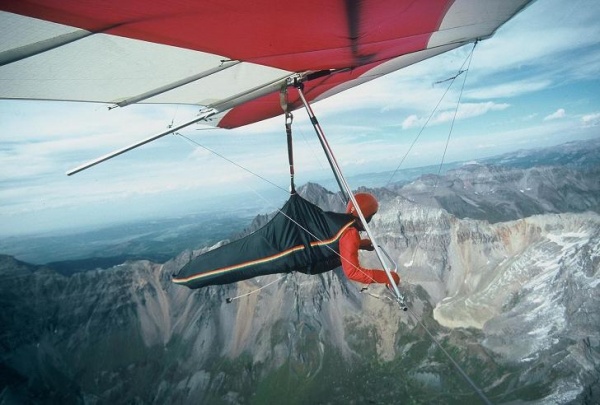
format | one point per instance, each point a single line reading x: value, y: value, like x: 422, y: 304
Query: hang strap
x: 289, y: 118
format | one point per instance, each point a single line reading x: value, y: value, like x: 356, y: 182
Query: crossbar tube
x: 171, y: 130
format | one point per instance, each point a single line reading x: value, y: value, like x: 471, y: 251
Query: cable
x: 451, y: 79
x: 230, y: 161
x: 419, y: 134
x: 470, y: 58
x: 230, y: 300
x: 454, y: 363
x: 477, y: 390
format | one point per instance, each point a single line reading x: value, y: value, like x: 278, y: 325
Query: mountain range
x: 499, y: 263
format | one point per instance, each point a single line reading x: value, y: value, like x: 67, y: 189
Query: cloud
x: 591, y: 120
x: 558, y: 114
x: 536, y: 36
x: 412, y: 121
x: 509, y: 89
x: 465, y: 110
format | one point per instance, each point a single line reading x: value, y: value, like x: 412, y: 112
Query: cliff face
x: 128, y: 334
x: 515, y: 302
x: 531, y: 287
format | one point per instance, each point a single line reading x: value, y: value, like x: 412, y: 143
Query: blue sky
x: 535, y: 83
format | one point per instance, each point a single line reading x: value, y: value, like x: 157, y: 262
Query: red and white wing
x: 231, y: 55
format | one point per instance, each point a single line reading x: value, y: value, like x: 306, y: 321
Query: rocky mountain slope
x: 514, y: 300
x: 497, y: 194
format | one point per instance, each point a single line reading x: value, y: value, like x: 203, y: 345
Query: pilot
x: 351, y: 243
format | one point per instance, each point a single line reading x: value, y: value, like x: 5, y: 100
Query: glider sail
x: 301, y: 237
x: 231, y: 55
x: 231, y: 58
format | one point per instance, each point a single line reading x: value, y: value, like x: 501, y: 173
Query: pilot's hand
x: 366, y: 244
x: 396, y: 278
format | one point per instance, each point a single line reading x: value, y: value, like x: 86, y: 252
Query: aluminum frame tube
x: 116, y: 153
x: 345, y: 188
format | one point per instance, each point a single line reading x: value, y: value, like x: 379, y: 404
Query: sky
x: 535, y: 83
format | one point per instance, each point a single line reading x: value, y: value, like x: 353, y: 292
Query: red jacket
x: 349, y: 246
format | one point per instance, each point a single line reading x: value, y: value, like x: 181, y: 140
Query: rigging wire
x: 457, y: 366
x: 230, y: 300
x: 418, y: 135
x: 460, y: 72
x: 451, y: 79
x: 229, y: 160
x: 174, y: 116
x: 470, y: 58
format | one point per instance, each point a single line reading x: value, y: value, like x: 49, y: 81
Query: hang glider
x: 234, y: 59
x: 230, y: 57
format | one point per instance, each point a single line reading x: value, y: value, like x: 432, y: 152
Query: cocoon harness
x: 300, y: 237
